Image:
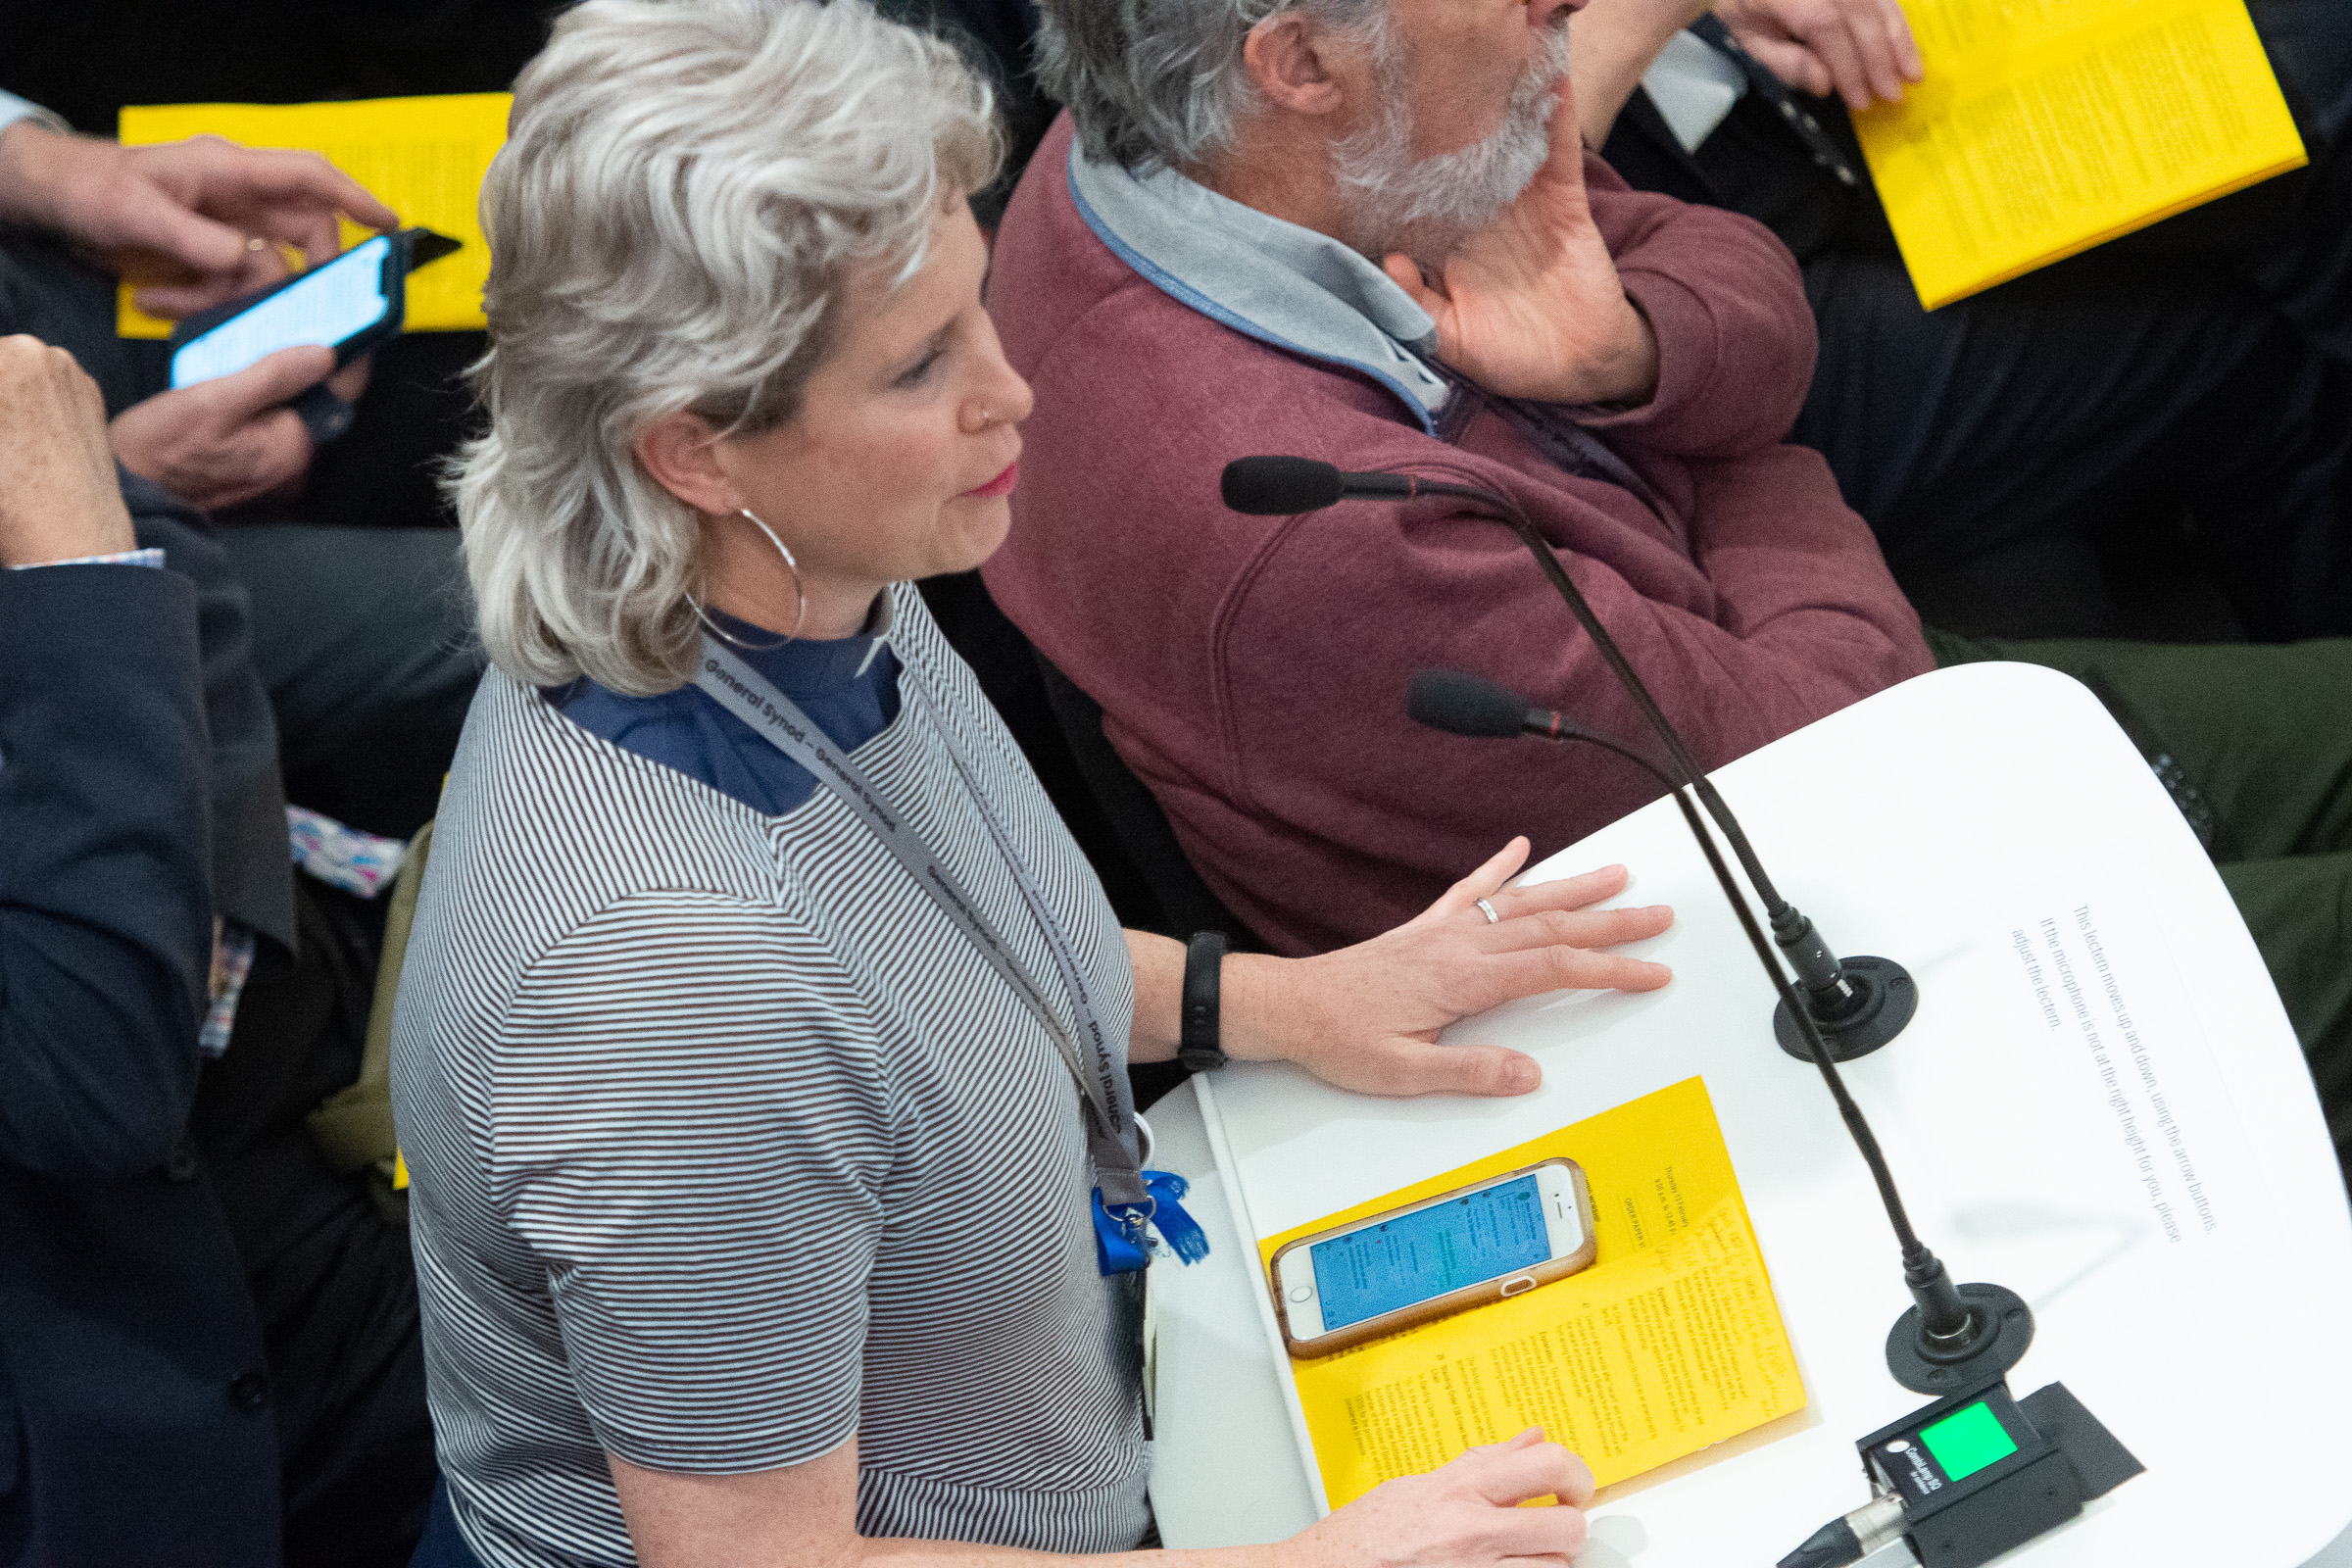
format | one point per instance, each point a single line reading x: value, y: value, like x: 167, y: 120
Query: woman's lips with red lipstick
x: 1001, y: 484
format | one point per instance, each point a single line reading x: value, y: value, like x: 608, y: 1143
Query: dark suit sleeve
x: 105, y: 904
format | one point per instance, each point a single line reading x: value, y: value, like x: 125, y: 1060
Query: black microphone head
x: 1279, y: 487
x: 1464, y: 704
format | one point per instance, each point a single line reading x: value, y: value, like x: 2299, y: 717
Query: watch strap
x: 1199, y: 1030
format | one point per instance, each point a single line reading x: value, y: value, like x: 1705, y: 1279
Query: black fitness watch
x: 1197, y: 1037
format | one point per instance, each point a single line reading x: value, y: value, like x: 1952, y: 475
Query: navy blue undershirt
x: 688, y: 731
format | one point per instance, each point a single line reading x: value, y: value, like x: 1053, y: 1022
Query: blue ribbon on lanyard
x: 1122, y: 1239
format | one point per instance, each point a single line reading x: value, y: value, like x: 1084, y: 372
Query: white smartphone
x: 1492, y: 1239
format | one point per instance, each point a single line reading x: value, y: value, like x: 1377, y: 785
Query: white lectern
x: 2101, y: 1106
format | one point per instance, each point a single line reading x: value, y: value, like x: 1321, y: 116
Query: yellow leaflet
x: 2048, y: 127
x: 425, y: 156
x: 1670, y: 1341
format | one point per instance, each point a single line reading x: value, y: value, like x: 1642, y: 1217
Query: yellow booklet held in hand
x: 1670, y: 1341
x: 424, y: 157
x: 2046, y: 126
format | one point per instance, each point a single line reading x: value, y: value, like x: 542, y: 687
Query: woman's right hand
x: 1366, y: 1019
x: 1464, y: 1514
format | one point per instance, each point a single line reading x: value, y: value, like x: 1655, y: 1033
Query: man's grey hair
x: 686, y: 190
x: 1160, y: 83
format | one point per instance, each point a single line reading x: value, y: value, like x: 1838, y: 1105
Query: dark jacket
x: 134, y: 1418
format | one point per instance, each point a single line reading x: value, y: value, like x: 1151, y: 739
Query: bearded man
x: 1188, y: 276
x: 1365, y: 231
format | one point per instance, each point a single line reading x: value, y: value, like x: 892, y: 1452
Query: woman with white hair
x: 763, y: 1032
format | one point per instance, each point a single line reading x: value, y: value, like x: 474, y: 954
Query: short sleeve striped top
x: 725, y: 1148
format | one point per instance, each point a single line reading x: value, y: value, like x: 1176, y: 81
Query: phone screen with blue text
x: 1430, y: 1251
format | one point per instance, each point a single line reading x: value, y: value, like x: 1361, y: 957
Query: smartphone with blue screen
x: 1498, y: 1238
x: 350, y: 304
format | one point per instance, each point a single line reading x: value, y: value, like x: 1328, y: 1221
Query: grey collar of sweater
x: 1273, y: 280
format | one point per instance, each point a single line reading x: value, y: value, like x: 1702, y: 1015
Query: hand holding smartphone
x: 1494, y: 1239
x: 350, y: 304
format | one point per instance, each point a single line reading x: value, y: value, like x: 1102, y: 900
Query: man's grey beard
x: 1427, y: 209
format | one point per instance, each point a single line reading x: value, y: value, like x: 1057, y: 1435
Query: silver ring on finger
x: 1488, y: 910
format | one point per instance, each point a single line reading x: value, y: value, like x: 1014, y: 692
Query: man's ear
x: 679, y: 451
x: 1284, y: 56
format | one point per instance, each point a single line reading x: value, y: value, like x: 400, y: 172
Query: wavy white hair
x: 686, y: 189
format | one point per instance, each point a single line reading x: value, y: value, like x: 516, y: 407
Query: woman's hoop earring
x: 799, y: 593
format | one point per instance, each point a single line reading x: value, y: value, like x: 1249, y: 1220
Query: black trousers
x: 363, y: 638
x: 2115, y: 388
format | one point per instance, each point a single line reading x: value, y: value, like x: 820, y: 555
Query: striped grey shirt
x: 725, y: 1146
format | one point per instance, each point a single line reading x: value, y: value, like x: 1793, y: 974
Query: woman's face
x: 903, y: 452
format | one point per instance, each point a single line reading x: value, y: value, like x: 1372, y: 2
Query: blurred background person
x: 132, y: 1379
x: 359, y: 633
x: 328, y: 1283
x: 333, y: 657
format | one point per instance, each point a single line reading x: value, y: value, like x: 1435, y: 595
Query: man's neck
x: 1285, y: 175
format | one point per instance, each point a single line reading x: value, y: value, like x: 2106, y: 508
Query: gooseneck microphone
x: 1954, y: 1332
x: 1466, y: 704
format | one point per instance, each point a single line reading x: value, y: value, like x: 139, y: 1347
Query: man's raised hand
x: 1531, y: 306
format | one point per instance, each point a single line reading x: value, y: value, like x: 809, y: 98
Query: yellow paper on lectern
x: 1670, y: 1341
x: 2046, y: 126
x: 424, y: 157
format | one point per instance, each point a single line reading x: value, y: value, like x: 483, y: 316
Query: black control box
x: 1976, y: 1477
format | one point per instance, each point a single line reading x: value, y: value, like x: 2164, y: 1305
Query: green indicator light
x: 1966, y: 1440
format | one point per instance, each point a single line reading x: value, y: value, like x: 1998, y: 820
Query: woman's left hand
x: 1367, y: 1017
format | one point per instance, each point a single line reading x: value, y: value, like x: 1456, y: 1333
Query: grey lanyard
x: 777, y: 719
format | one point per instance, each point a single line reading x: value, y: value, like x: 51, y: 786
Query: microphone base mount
x: 2002, y: 1328
x: 1890, y: 998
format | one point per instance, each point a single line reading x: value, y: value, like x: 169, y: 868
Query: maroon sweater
x: 1252, y: 671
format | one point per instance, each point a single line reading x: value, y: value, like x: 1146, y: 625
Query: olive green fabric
x: 353, y: 1128
x: 2263, y: 731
